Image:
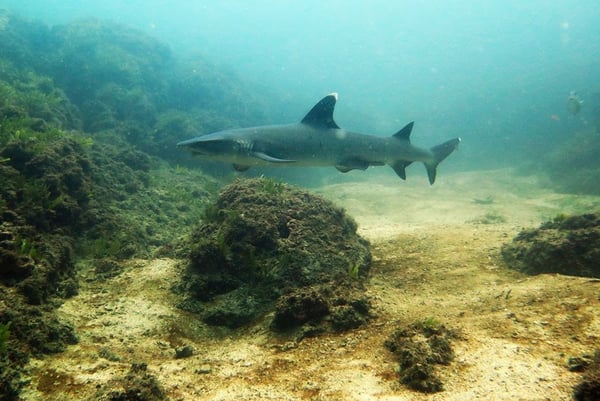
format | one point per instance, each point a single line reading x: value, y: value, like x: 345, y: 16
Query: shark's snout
x: 187, y: 142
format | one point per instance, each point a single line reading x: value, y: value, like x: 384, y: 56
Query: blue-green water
x: 496, y: 73
x: 95, y: 95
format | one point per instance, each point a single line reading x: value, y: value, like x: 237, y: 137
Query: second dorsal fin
x: 404, y: 133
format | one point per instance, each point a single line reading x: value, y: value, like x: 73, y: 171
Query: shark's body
x: 317, y: 141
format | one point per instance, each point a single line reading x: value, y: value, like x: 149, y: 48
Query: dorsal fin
x: 404, y: 133
x: 321, y: 115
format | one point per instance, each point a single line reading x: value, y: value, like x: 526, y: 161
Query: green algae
x: 566, y: 245
x: 74, y: 184
x: 418, y: 348
x: 283, y: 248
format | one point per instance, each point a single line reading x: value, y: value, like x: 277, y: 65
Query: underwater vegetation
x: 100, y: 76
x: 490, y: 217
x: 418, y: 347
x: 138, y: 384
x: 266, y: 246
x: 65, y: 199
x: 26, y: 94
x: 567, y: 245
x: 80, y: 107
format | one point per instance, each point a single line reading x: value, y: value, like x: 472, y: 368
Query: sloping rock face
x: 264, y: 246
x: 566, y: 245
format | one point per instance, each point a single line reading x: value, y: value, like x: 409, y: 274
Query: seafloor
x: 436, y: 258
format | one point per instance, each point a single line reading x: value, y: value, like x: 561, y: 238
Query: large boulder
x: 264, y: 246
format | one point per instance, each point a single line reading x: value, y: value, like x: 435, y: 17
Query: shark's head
x: 216, y: 146
x: 238, y: 147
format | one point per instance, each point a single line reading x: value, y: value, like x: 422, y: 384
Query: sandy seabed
x: 436, y: 255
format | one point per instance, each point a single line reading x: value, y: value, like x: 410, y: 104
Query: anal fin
x: 400, y: 168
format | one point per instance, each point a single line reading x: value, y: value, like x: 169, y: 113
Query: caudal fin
x: 440, y: 152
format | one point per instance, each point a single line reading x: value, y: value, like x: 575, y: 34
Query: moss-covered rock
x: 266, y: 246
x: 588, y: 389
x: 79, y: 103
x: 52, y: 181
x: 137, y: 385
x: 27, y: 95
x: 418, y: 347
x: 103, y: 53
x: 566, y: 245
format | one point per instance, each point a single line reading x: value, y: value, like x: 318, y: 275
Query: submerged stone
x: 417, y: 348
x: 264, y: 246
x: 589, y: 386
x: 565, y: 245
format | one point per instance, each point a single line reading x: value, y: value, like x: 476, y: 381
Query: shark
x: 317, y: 140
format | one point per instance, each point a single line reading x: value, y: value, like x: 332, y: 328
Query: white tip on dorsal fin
x: 321, y: 115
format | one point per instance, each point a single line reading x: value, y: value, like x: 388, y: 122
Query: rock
x: 577, y: 364
x: 566, y: 245
x: 265, y: 246
x: 588, y: 388
x: 138, y: 384
x: 418, y: 348
x: 184, y: 352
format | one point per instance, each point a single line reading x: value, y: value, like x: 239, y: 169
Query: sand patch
x: 435, y: 255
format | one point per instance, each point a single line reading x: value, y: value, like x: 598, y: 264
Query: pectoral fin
x: 271, y: 159
x: 240, y: 167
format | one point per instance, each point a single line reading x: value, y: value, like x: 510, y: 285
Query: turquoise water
x: 95, y: 95
x: 495, y: 73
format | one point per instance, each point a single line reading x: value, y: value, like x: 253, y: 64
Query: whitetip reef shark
x: 317, y: 141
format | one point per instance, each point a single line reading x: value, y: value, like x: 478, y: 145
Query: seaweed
x: 137, y: 385
x: 85, y: 108
x: 566, y: 245
x: 418, y: 347
x: 283, y: 247
x: 4, y: 336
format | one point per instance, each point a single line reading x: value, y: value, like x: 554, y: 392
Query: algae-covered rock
x: 566, y: 245
x: 418, y: 347
x: 588, y: 389
x: 137, y: 385
x: 265, y: 246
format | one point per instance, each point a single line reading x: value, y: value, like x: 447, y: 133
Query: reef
x: 44, y: 199
x: 418, y: 347
x: 567, y: 245
x: 85, y: 114
x: 264, y: 247
x: 103, y: 77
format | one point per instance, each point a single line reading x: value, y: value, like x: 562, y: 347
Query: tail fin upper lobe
x: 440, y: 152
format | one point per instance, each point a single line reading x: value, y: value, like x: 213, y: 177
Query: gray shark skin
x: 317, y: 141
